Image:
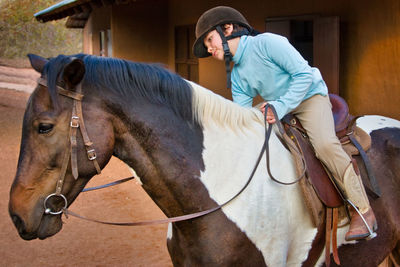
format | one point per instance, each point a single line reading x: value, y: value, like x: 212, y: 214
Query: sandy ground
x: 79, y: 243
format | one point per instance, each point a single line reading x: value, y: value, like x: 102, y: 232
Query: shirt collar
x: 240, y: 49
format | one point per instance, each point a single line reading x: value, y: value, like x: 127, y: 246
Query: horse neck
x: 163, y: 149
x: 178, y: 160
x: 231, y: 155
x: 233, y: 139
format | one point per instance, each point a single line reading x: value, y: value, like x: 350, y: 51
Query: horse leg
x: 215, y: 241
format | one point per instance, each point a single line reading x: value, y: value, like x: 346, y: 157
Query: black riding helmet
x: 212, y: 20
x: 209, y: 21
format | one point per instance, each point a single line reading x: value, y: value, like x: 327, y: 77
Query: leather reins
x: 70, y: 153
x: 288, y: 141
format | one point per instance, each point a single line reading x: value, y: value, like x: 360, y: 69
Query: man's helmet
x: 210, y: 20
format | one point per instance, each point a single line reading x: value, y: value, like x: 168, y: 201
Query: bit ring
x: 48, y: 210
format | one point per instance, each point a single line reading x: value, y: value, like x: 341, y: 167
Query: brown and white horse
x: 192, y: 150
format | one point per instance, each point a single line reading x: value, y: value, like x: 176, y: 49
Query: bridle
x: 70, y: 154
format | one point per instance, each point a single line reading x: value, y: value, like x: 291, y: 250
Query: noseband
x: 71, y: 151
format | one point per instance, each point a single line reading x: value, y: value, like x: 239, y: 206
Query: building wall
x: 140, y: 31
x: 370, y: 53
x: 99, y: 20
x: 211, y: 72
x: 369, y: 43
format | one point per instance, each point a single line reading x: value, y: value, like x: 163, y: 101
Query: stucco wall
x: 99, y: 20
x: 140, y: 31
x: 211, y: 72
x: 370, y: 56
x: 369, y: 45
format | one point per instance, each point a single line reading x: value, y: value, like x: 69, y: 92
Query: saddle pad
x: 362, y: 137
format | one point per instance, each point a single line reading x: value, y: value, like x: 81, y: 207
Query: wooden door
x: 317, y: 39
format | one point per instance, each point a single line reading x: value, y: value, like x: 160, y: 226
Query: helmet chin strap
x: 227, y: 56
x: 227, y: 52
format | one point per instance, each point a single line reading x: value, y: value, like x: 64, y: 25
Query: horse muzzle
x: 36, y: 224
x: 21, y: 228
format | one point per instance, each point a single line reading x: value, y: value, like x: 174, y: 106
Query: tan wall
x: 370, y: 47
x: 370, y: 56
x: 140, y: 31
x: 98, y: 21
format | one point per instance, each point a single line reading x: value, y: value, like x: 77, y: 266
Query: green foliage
x: 21, y: 33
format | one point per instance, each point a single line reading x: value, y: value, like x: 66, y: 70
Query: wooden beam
x: 96, y: 3
x: 87, y: 8
x: 122, y: 2
x: 77, y: 9
x: 107, y: 2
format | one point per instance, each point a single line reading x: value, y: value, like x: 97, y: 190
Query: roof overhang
x: 77, y: 11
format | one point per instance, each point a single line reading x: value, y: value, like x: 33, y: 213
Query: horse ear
x: 37, y: 62
x: 74, y: 72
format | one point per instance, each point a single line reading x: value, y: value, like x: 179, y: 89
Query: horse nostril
x: 21, y: 228
x: 19, y: 224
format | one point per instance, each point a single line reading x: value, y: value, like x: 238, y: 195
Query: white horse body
x: 273, y: 216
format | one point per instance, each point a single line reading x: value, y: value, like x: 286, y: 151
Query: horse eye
x: 45, y: 128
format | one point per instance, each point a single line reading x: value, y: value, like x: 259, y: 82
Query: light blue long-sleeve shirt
x: 269, y: 66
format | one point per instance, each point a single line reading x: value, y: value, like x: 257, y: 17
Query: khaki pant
x: 315, y: 114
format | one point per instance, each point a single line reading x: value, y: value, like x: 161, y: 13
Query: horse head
x: 45, y: 137
x: 140, y: 113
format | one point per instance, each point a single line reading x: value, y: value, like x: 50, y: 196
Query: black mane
x: 128, y: 80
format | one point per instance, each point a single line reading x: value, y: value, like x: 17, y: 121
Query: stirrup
x: 372, y: 234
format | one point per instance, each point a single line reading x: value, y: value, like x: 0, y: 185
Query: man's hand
x: 270, y: 115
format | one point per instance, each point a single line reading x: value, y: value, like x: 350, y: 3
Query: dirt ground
x: 79, y: 243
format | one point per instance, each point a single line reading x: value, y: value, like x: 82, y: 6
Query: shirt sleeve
x: 241, y: 97
x: 283, y: 54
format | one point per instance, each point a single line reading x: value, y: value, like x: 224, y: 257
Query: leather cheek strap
x: 75, y: 123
